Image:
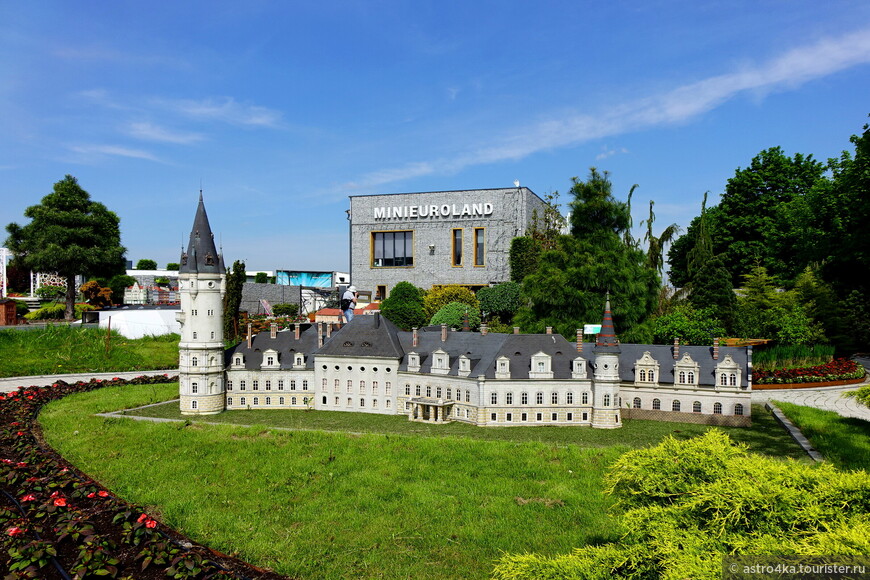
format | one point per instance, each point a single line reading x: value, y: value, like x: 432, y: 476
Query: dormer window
x: 541, y: 366
x: 503, y: 368
x: 729, y: 373
x: 270, y: 359
x: 686, y: 371
x: 464, y: 366
x: 646, y: 370
x: 440, y: 362
x: 413, y: 362
x: 578, y: 368
x: 299, y: 360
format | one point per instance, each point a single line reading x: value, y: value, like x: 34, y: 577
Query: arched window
x: 651, y: 376
x: 696, y: 407
x: 242, y: 401
x: 656, y: 405
x: 194, y: 388
x: 256, y: 400
x: 691, y: 377
x: 268, y: 400
x: 569, y: 398
x: 428, y: 391
x: 723, y: 379
x: 717, y: 408
x: 636, y: 403
x: 229, y: 401
x: 682, y: 377
x: 642, y: 375
x: 280, y: 400
x: 738, y: 409
x: 193, y: 404
x: 675, y: 406
x: 732, y: 379
x: 194, y: 361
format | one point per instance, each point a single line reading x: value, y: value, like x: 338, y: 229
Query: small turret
x: 605, y: 412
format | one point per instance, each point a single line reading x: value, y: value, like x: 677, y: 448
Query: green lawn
x: 843, y: 441
x: 383, y: 499
x: 61, y: 348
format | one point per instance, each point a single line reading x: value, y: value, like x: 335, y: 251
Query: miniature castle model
x: 436, y: 375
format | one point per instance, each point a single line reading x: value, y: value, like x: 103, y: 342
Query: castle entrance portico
x: 425, y: 410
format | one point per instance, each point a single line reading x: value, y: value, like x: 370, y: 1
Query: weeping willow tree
x: 568, y: 287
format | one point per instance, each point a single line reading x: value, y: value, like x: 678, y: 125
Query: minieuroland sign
x: 448, y: 210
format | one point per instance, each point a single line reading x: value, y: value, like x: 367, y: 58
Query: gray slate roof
x: 201, y: 255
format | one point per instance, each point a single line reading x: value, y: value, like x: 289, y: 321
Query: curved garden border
x: 775, y: 386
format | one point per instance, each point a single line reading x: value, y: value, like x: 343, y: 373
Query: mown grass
x: 62, y: 348
x: 383, y: 499
x: 844, y: 441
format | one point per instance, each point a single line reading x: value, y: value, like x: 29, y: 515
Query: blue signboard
x: 311, y: 279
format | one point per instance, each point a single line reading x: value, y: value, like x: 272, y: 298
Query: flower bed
x: 840, y: 369
x: 55, y: 522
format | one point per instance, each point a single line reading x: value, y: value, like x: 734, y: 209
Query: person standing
x: 348, y: 302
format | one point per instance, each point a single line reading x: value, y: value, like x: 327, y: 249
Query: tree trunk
x: 70, y: 312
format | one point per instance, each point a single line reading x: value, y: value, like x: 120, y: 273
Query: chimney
x: 297, y: 329
x: 319, y: 334
x: 549, y: 330
x: 250, y: 336
x: 443, y: 333
x: 415, y: 338
x: 516, y: 329
x: 715, y: 349
x: 328, y: 330
x: 484, y: 329
x: 273, y: 330
x: 579, y: 340
x: 676, y: 348
x: 465, y: 326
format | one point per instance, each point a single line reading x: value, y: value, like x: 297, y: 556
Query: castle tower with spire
x: 605, y: 404
x: 201, y: 285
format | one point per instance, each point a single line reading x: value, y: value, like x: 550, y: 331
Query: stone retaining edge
x: 774, y: 386
x: 794, y: 432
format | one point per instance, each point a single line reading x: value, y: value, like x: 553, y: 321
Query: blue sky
x: 281, y: 110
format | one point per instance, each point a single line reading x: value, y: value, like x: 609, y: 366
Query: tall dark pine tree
x: 708, y: 281
x: 69, y: 234
x: 233, y: 300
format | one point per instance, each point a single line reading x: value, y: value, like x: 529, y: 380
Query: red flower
x: 20, y: 433
x: 149, y: 523
x: 14, y: 531
x: 60, y: 502
x: 92, y: 494
x: 55, y: 494
x: 142, y: 518
x: 103, y: 493
x: 29, y: 497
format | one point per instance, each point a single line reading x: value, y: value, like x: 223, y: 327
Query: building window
x: 193, y: 404
x: 493, y: 398
x: 349, y: 402
x: 194, y: 388
x: 256, y: 386
x: 407, y: 389
x: 194, y: 334
x: 723, y: 380
x: 732, y: 379
x: 242, y: 386
x: 524, y: 399
x: 636, y: 403
x: 374, y: 387
x: 554, y: 417
x: 675, y: 406
x: 449, y: 393
x: 696, y: 407
x: 467, y: 396
x: 256, y: 401
x: 585, y: 398
x: 270, y: 361
x: 388, y: 390
x: 457, y: 247
x: 417, y: 390
x: 229, y: 385
x: 570, y: 416
x: 268, y: 385
x: 569, y: 398
x: 362, y: 402
x: 717, y: 408
x: 524, y: 417
x: 437, y: 392
x: 554, y: 398
x: 194, y: 362
x: 458, y: 394
x: 508, y: 417
x: 682, y: 377
x: 229, y: 401
x: 738, y: 409
x: 607, y: 400
x: 585, y: 416
x: 374, y: 403
x: 292, y: 400
x: 380, y: 293
x: 281, y: 385
x: 651, y: 376
x: 392, y: 249
x: 641, y: 376
x: 656, y: 405
x: 304, y: 384
x: 388, y: 403
x: 281, y: 400
x: 479, y: 237
x: 349, y: 386
x: 691, y: 378
x: 428, y: 391
x: 362, y: 387
x: 539, y: 398
x: 268, y: 400
x: 509, y: 398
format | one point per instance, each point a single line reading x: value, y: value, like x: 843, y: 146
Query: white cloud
x: 224, y: 109
x: 117, y: 150
x: 151, y: 132
x: 608, y: 152
x: 785, y: 72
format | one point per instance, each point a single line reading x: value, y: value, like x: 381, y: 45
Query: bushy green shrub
x: 47, y: 292
x: 285, y: 309
x: 21, y: 307
x: 404, y: 306
x: 501, y: 300
x: 56, y: 312
x: 438, y: 297
x: 686, y: 504
x: 453, y: 315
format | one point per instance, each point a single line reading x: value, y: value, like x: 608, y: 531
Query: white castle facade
x: 436, y: 375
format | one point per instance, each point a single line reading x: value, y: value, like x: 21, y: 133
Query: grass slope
x: 62, y: 348
x: 380, y: 502
x: 844, y: 441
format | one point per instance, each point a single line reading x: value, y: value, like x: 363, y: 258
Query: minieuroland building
x: 437, y: 237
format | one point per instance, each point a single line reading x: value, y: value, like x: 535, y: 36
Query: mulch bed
x: 57, y: 523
